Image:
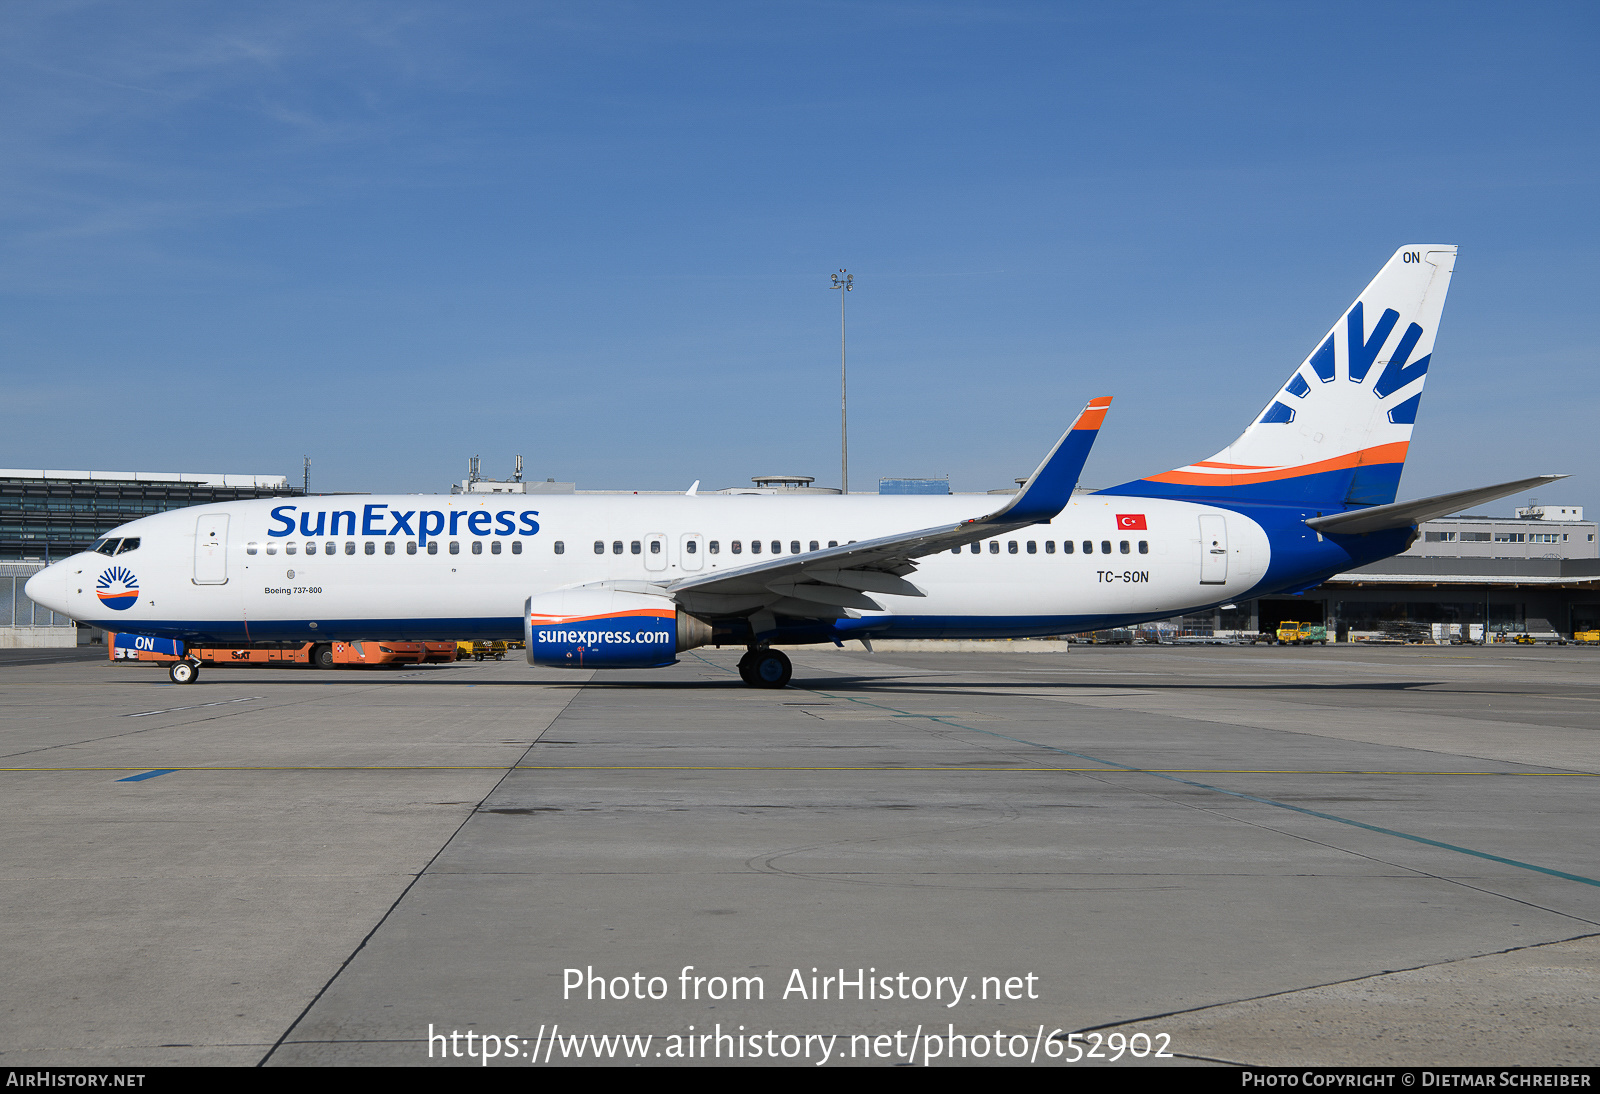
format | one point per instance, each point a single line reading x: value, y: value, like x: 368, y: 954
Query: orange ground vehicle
x: 324, y: 655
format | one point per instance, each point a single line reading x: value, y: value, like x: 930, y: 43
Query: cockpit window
x: 106, y: 546
x: 128, y: 545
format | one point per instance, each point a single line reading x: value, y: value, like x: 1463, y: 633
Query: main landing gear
x: 765, y: 668
x: 183, y: 672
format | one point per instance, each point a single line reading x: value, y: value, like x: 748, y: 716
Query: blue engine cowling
x: 600, y: 628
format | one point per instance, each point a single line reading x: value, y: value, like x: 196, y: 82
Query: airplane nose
x: 49, y: 587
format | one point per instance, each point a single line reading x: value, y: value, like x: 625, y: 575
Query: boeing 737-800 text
x: 1306, y: 491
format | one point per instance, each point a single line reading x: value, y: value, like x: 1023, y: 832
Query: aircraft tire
x: 769, y: 669
x: 183, y: 672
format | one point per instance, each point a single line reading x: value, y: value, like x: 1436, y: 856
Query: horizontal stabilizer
x: 1402, y: 514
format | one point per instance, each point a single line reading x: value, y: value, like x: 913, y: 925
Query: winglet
x: 1050, y: 487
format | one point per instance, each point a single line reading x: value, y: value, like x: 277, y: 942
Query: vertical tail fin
x: 1336, y: 434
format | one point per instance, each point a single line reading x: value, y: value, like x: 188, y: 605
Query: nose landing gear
x: 765, y: 668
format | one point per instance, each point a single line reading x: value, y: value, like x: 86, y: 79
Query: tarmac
x: 1252, y: 855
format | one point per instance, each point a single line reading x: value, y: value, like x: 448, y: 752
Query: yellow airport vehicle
x: 1292, y: 633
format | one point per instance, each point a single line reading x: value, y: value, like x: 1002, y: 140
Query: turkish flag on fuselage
x: 1131, y: 522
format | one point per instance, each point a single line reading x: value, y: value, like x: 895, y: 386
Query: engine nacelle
x: 608, y: 629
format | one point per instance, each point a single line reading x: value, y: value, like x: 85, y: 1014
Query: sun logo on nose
x: 118, y: 588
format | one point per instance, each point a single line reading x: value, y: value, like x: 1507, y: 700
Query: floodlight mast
x: 845, y: 283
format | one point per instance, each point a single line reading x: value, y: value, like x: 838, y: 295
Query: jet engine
x: 604, y: 628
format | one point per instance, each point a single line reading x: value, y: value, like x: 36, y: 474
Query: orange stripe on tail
x: 1383, y: 453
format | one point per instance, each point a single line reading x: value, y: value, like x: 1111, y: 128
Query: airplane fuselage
x: 463, y: 566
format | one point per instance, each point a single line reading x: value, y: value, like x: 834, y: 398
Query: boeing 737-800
x: 1305, y: 492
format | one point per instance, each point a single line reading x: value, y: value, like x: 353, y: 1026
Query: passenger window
x: 411, y: 546
x: 716, y: 547
x: 371, y: 548
x: 616, y: 546
x: 1067, y: 546
x: 1123, y: 546
x: 1012, y: 546
x: 994, y: 546
x: 1088, y: 546
x: 813, y: 545
x: 477, y: 546
x: 433, y: 547
x: 599, y: 547
x: 755, y: 546
x: 272, y: 549
x: 388, y: 546
x: 1033, y: 548
x: 777, y: 547
x: 735, y: 547
x: 794, y: 546
x: 634, y: 547
x: 494, y: 546
x: 689, y: 545
x: 833, y: 543
x: 976, y: 547
x: 1144, y: 546
x: 289, y: 548
x: 1050, y: 546
x: 311, y: 547
x: 455, y: 547
x: 350, y: 546
x: 249, y: 548
x: 655, y: 546
x: 1105, y: 546
x: 955, y: 550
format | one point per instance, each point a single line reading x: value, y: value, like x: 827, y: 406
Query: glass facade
x: 48, y: 518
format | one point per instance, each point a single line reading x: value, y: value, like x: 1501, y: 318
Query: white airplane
x: 1306, y: 491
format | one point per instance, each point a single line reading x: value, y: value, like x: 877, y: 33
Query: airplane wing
x: 837, y: 581
x: 1401, y: 514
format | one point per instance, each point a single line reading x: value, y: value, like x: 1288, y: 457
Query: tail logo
x: 118, y: 589
x: 1398, y: 372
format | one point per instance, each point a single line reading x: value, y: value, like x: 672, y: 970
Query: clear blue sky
x: 393, y: 235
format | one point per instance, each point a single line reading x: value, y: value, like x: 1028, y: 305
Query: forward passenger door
x: 211, y: 549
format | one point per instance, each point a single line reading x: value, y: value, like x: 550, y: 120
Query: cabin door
x: 211, y: 549
x: 1214, y: 550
